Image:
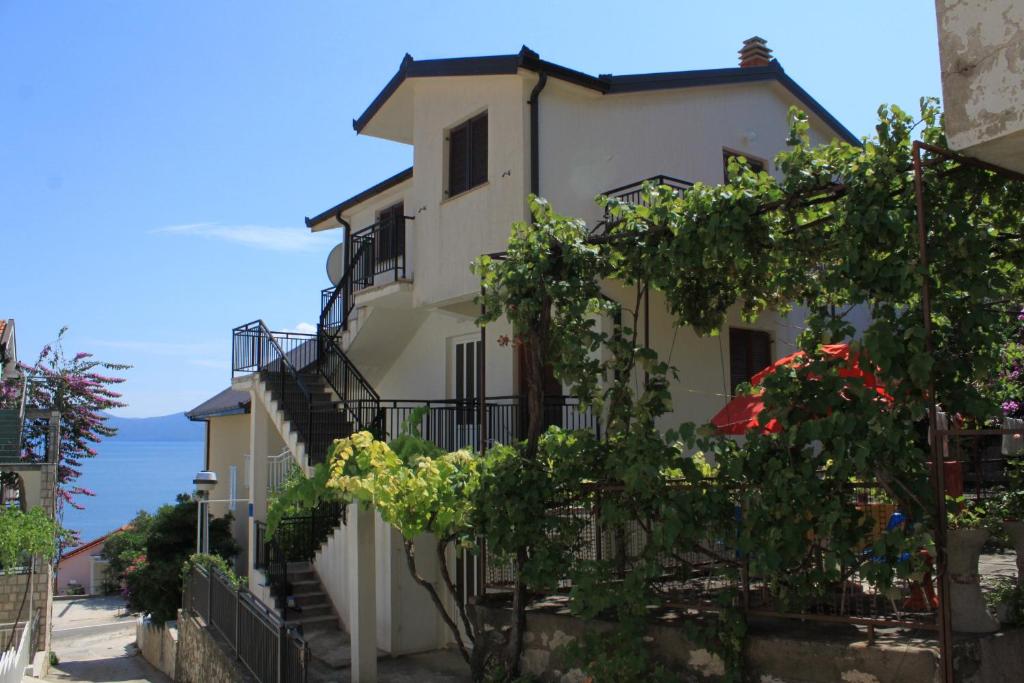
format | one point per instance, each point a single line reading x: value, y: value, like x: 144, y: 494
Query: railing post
x: 209, y: 597
x: 282, y: 634
x: 237, y: 610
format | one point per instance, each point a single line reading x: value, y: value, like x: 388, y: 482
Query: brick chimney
x: 755, y: 52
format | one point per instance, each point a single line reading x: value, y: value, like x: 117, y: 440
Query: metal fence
x: 269, y: 649
x: 977, y: 465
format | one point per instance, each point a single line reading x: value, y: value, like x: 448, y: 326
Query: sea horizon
x: 128, y: 476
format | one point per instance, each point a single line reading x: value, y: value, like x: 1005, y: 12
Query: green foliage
x: 1007, y: 594
x: 150, y: 557
x: 837, y: 232
x: 26, y: 534
x: 211, y: 562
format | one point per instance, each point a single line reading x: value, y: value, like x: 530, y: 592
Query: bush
x: 147, y: 559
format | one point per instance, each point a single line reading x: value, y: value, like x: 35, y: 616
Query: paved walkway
x: 94, y: 639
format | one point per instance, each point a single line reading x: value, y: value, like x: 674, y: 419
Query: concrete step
x: 317, y: 623
x: 310, y: 599
x: 305, y: 587
x: 307, y: 611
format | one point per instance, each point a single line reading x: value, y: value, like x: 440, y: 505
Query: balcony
x: 377, y: 255
x: 633, y: 194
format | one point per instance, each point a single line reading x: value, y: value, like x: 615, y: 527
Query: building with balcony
x: 396, y: 329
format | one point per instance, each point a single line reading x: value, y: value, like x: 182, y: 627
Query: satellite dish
x: 336, y: 264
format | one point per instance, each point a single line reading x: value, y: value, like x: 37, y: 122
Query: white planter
x: 1015, y: 530
x: 966, y: 601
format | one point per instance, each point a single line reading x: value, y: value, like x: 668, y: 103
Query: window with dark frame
x: 756, y: 165
x: 467, y: 155
x: 390, y: 242
x: 750, y: 352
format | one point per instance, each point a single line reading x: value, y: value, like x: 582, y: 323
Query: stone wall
x: 204, y: 659
x: 777, y: 658
x: 776, y: 652
x: 158, y: 644
x: 12, y: 592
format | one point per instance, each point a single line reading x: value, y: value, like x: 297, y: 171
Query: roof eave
x: 338, y: 210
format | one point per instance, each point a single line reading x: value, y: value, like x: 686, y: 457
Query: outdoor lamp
x: 205, y: 481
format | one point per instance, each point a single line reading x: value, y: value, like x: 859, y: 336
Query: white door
x: 464, y: 389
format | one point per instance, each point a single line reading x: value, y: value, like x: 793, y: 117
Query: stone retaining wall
x: 12, y: 592
x: 782, y: 651
x: 202, y: 658
x: 158, y: 644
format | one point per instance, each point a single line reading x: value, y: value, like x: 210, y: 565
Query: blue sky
x: 157, y: 158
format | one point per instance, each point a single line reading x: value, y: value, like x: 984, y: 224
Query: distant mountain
x: 174, y: 427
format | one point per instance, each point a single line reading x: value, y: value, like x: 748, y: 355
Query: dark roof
x: 383, y: 185
x: 227, y: 402
x: 605, y: 83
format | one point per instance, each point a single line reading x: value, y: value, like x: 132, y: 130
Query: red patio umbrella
x: 740, y: 414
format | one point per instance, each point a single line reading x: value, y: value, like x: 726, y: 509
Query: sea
x: 128, y: 476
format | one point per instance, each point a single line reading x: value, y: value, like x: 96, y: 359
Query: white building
x: 981, y: 48
x: 397, y: 332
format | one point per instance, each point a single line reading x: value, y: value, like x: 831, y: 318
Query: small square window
x: 467, y: 155
x: 756, y: 165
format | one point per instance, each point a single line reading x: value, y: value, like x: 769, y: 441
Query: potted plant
x: 966, y: 535
x: 1007, y: 599
x: 1009, y: 507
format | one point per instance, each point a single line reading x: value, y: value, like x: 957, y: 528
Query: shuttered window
x: 750, y: 351
x: 467, y: 155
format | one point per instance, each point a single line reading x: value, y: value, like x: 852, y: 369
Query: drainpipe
x: 534, y: 103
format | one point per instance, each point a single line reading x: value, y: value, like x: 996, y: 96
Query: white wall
x: 452, y: 232
x: 406, y: 619
x: 591, y: 143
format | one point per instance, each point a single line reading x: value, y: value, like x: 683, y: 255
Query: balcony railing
x: 633, y: 194
x: 452, y: 424
x: 378, y: 252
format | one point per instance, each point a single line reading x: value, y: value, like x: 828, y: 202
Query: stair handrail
x: 344, y: 287
x: 329, y: 347
x: 263, y: 332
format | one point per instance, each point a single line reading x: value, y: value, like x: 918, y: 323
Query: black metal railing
x: 259, y: 638
x: 285, y: 362
x: 375, y: 252
x: 358, y: 398
x: 296, y: 539
x: 384, y: 253
x: 453, y: 423
x: 336, y: 307
x: 633, y: 194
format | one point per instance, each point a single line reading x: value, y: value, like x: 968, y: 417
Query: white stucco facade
x: 981, y: 49
x: 410, y: 332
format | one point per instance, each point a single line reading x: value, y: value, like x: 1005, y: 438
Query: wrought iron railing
x: 358, y: 398
x: 384, y: 253
x: 375, y: 252
x: 282, y: 359
x: 453, y: 423
x: 270, y: 650
x: 633, y: 194
x: 296, y: 539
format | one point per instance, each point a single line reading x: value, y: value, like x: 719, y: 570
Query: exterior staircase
x: 309, y: 607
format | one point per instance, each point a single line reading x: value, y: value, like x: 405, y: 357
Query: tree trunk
x: 410, y: 556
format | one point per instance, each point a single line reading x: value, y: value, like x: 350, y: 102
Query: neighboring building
x: 84, y: 570
x: 25, y: 485
x: 227, y: 452
x: 981, y: 48
x: 397, y: 331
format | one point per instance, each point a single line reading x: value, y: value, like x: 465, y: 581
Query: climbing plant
x: 835, y: 233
